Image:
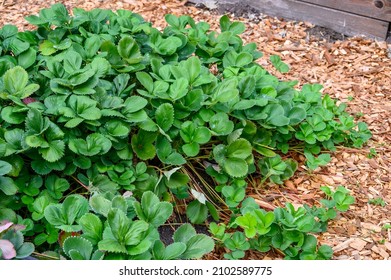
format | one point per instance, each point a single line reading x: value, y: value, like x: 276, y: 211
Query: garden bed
x: 355, y: 71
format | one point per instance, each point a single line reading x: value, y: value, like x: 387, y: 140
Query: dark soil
x: 167, y: 231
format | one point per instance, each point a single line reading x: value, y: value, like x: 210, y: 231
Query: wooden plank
x: 343, y: 22
x: 339, y: 21
x: 378, y: 9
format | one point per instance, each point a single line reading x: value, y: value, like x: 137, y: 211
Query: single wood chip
x: 370, y: 226
x: 384, y: 254
x: 357, y: 244
x: 264, y: 204
x: 343, y: 245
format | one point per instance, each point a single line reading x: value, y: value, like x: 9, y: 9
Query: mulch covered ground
x: 354, y: 70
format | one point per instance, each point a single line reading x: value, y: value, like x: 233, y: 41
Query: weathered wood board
x: 377, y: 9
x: 351, y: 17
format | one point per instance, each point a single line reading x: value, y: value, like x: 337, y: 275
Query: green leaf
x: 82, y: 77
x: 184, y: 233
x: 54, y: 215
x: 25, y: 250
x: 165, y: 116
x: 74, y: 206
x: 5, y: 167
x: 151, y: 210
x: 220, y: 124
x: 72, y: 62
x: 39, y: 206
x: 8, y: 186
x: 191, y: 149
x: 202, y: 135
x: 235, y: 167
x: 193, y: 68
x: 140, y: 248
x: 33, y: 186
x: 100, y: 66
x: 296, y: 115
x: 178, y: 89
x: 84, y: 107
x: 248, y: 222
x: 325, y: 252
x: 54, y: 152
x: 100, y: 204
x: 117, y: 128
x: 94, y: 144
x: 111, y: 245
x: 197, y: 212
x: 92, y: 45
x: 226, y: 91
x: 240, y: 148
x: 146, y: 80
x: 92, y: 227
x: 134, y: 104
x: 172, y: 251
x: 12, y: 116
x: 41, y: 167
x: 56, y: 186
x: 278, y: 64
x: 77, y: 248
x: 27, y: 58
x: 36, y: 123
x: 119, y: 225
x: 197, y: 246
x: 73, y: 122
x: 47, y: 48
x: 276, y: 115
x: 120, y: 203
x: 177, y: 180
x: 142, y: 144
x: 135, y: 232
x: 15, y: 80
x: 129, y: 50
x: 8, y: 30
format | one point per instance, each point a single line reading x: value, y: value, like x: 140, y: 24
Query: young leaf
x: 165, y: 116
x: 92, y: 227
x: 129, y: 50
x: 248, y: 222
x: 77, y: 248
x: 15, y: 80
x: 151, y: 210
x: 142, y: 144
x: 278, y: 64
x: 197, y: 212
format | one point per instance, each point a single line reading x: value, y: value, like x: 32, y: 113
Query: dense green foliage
x: 107, y: 124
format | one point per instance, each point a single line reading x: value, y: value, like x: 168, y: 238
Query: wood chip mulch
x: 355, y: 70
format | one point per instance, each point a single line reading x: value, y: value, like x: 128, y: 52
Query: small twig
x: 77, y: 180
x: 291, y: 48
x: 45, y: 256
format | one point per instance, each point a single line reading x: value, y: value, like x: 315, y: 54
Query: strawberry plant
x: 109, y: 128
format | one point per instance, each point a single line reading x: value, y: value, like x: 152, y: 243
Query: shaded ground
x: 354, y: 70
